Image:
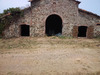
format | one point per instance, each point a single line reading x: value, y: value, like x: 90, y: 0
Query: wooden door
x: 75, y: 31
x: 90, y: 32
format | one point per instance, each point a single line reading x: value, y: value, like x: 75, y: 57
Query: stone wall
x: 41, y: 9
x: 89, y: 20
x: 86, y: 19
x: 13, y: 30
x: 97, y: 31
x: 72, y: 17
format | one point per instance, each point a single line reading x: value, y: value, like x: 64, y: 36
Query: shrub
x: 8, y: 16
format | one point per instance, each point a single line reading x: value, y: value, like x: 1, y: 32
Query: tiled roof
x: 30, y: 0
x: 77, y: 1
x: 74, y: 0
x: 88, y: 12
x: 6, y: 15
x: 82, y: 10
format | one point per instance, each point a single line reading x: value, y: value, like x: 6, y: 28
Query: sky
x: 89, y: 5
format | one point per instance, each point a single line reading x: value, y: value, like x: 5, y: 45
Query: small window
x: 98, y: 24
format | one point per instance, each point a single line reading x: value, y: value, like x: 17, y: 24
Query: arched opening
x: 82, y: 30
x: 25, y: 30
x: 53, y: 25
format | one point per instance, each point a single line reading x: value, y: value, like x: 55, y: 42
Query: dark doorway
x: 25, y: 30
x: 53, y: 25
x: 82, y: 30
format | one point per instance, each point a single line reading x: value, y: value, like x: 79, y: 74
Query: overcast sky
x: 89, y: 5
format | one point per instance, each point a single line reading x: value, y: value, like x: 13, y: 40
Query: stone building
x: 55, y: 17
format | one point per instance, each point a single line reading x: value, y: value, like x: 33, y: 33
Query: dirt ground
x: 49, y: 56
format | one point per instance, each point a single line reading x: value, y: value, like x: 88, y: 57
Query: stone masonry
x: 72, y: 17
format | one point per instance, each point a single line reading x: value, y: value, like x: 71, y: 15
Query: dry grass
x: 29, y: 43
x: 49, y: 56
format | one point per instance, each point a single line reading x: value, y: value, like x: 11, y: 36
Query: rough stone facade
x: 14, y: 29
x: 89, y: 20
x: 72, y: 17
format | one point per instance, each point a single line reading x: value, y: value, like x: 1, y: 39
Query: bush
x: 6, y: 19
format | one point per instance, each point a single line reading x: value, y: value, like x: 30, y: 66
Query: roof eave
x: 78, y: 1
x: 89, y: 12
x: 31, y: 0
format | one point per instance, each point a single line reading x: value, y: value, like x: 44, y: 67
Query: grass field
x: 49, y: 56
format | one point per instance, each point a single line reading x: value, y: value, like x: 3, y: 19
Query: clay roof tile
x: 88, y: 12
x: 31, y: 0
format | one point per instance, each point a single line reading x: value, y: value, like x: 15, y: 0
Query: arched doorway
x: 53, y: 25
x: 82, y: 31
x: 25, y: 30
